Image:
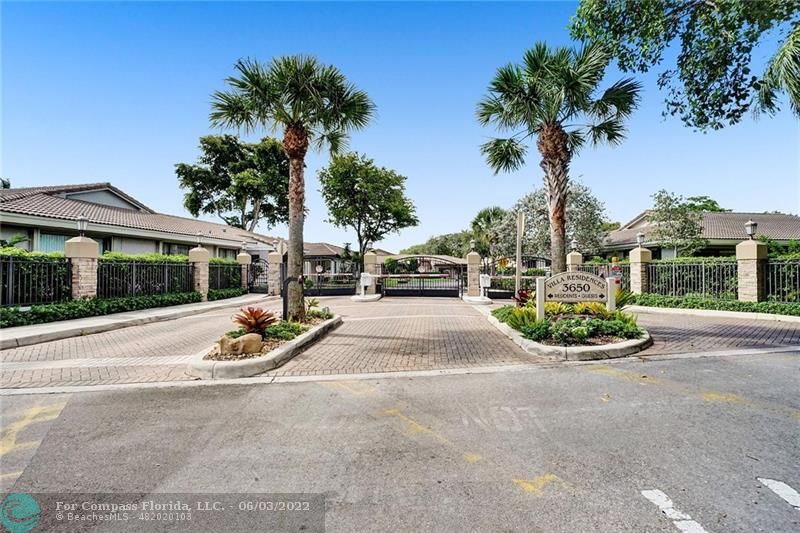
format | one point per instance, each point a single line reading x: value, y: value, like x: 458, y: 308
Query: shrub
x: 40, y: 314
x: 538, y: 331
x: 696, y: 302
x: 324, y: 314
x: 22, y: 254
x: 557, y: 308
x: 221, y: 294
x: 149, y: 258
x: 311, y: 302
x: 502, y: 313
x: 524, y: 296
x: 222, y: 261
x: 624, y: 297
x: 254, y: 319
x: 591, y: 308
x: 235, y: 333
x: 521, y: 317
x: 284, y: 330
x: 308, y: 283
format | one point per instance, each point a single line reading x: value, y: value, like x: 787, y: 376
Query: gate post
x: 640, y: 258
x: 199, y: 257
x: 82, y: 253
x: 473, y: 274
x: 574, y: 260
x: 371, y: 267
x: 751, y: 259
x: 244, y: 259
x: 274, y: 260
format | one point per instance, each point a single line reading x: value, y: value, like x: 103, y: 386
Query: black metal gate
x: 421, y: 275
x: 258, y: 275
x: 503, y: 275
x: 329, y: 284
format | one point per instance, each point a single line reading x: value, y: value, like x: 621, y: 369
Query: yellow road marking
x: 34, y: 415
x: 472, y: 458
x: 413, y: 427
x: 536, y: 485
x: 356, y: 388
x: 13, y: 475
x: 695, y: 392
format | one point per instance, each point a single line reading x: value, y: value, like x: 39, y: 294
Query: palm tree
x: 551, y: 96
x: 484, y: 229
x: 311, y: 103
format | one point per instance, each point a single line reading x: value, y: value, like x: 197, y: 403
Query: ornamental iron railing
x: 118, y: 279
x: 224, y: 276
x: 26, y: 282
x: 783, y: 281
x: 715, y: 279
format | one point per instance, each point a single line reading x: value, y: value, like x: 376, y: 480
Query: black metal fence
x: 28, y: 282
x: 117, y: 279
x: 224, y: 276
x: 783, y: 281
x: 605, y: 270
x: 330, y: 284
x: 709, y: 279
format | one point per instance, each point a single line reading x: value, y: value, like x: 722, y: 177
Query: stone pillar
x: 573, y: 260
x: 473, y: 274
x: 640, y: 258
x: 199, y: 258
x: 82, y: 253
x: 244, y: 259
x: 751, y: 258
x: 274, y: 281
x: 371, y: 267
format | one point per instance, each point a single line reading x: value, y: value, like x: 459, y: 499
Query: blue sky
x: 120, y: 93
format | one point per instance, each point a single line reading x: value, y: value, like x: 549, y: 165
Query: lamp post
x: 199, y: 237
x: 574, y: 245
x: 82, y: 223
x: 750, y: 228
x: 472, y: 245
x: 640, y: 239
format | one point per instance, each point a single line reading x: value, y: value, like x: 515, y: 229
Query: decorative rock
x: 249, y: 343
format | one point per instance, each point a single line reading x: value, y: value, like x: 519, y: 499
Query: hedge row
x: 25, y: 255
x: 221, y: 294
x: 696, y: 302
x: 39, y: 314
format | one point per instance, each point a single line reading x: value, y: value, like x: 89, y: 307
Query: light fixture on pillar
x: 472, y: 245
x: 574, y: 245
x: 83, y: 223
x: 750, y: 228
x: 199, y: 236
x: 244, y: 246
x: 640, y: 239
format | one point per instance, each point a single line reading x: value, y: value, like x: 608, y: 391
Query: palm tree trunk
x: 552, y: 144
x: 295, y: 143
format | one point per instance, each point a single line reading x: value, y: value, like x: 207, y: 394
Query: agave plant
x: 254, y: 319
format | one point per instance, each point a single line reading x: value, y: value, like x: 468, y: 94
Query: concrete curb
x: 366, y: 297
x: 477, y: 300
x: 206, y: 369
x: 572, y: 353
x: 768, y: 317
x: 110, y: 324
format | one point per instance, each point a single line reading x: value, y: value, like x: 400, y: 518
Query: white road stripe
x: 783, y: 490
x: 680, y: 519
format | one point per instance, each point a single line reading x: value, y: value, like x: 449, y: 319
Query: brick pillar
x: 751, y: 258
x: 244, y: 259
x: 274, y: 261
x: 640, y: 258
x: 573, y: 260
x: 473, y: 273
x: 371, y: 267
x: 82, y: 253
x: 199, y: 258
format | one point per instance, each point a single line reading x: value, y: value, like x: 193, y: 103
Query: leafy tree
x: 676, y: 224
x: 611, y: 226
x: 485, y: 227
x: 452, y: 244
x: 585, y: 216
x: 241, y: 183
x: 704, y: 203
x: 5, y: 183
x: 551, y: 96
x: 711, y: 84
x: 311, y: 103
x: 365, y: 197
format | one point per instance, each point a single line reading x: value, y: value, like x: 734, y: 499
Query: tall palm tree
x: 551, y: 96
x: 312, y: 103
x: 484, y: 229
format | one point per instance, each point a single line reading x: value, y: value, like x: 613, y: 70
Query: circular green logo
x: 19, y: 512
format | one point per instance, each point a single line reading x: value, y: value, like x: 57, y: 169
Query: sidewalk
x: 27, y: 335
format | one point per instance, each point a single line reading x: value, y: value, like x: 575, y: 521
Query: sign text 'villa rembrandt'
x: 576, y: 287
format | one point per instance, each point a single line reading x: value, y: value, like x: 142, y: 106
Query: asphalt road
x: 666, y: 445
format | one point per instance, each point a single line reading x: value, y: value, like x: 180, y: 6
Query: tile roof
x: 723, y: 226
x: 321, y: 249
x: 44, y: 202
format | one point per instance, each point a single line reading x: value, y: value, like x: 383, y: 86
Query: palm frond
x: 782, y: 74
x: 619, y: 100
x: 504, y: 154
x: 611, y: 131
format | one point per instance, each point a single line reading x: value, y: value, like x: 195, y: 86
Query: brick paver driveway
x: 393, y: 334
x: 399, y: 333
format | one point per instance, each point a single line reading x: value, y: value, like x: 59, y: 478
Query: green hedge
x: 20, y: 254
x: 222, y: 261
x: 696, y: 302
x: 145, y: 258
x: 221, y: 294
x: 39, y: 314
x: 694, y: 260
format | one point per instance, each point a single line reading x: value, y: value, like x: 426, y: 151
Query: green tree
x: 676, y: 224
x: 311, y: 103
x: 241, y: 183
x: 711, y: 84
x: 365, y: 197
x: 485, y: 228
x: 5, y: 183
x: 452, y: 244
x: 586, y: 222
x: 704, y: 203
x: 552, y: 96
